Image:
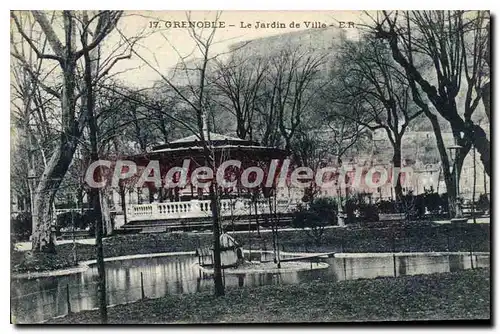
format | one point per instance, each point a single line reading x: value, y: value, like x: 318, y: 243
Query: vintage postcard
x: 249, y: 166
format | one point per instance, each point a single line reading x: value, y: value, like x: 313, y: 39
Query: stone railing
x: 200, y: 209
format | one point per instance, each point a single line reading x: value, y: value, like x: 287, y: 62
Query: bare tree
x: 66, y: 54
x: 194, y: 98
x: 377, y: 92
x: 292, y: 74
x: 23, y: 91
x: 77, y: 111
x: 454, y: 44
x: 238, y: 85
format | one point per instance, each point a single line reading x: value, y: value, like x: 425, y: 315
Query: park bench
x: 469, y: 211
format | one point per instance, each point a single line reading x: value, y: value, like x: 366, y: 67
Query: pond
x: 36, y: 300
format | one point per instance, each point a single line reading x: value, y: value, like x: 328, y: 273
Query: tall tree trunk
x: 445, y: 163
x: 30, y: 164
x: 474, y: 184
x: 396, y: 162
x: 122, y: 191
x: 88, y: 103
x: 42, y: 237
x: 219, y: 285
x: 486, y: 99
x: 482, y: 144
x: 101, y: 273
x: 458, y: 163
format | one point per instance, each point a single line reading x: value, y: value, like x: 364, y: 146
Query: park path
x: 26, y: 246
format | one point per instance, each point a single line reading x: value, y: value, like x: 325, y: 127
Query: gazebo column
x: 135, y: 194
x: 139, y: 195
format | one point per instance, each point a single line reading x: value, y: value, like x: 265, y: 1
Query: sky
x: 164, y: 47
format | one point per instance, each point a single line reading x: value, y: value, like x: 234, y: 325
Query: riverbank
x: 417, y: 238
x: 444, y: 296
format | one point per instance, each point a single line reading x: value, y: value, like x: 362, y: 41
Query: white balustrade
x: 200, y: 209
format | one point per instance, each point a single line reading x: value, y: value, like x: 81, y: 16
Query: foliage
x: 415, y: 206
x: 21, y: 226
x: 386, y: 206
x: 436, y: 205
x: 358, y: 211
x: 313, y: 219
x: 408, y: 206
x: 483, y: 203
x: 67, y: 220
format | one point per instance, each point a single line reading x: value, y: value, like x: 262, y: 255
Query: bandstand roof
x: 192, y: 146
x: 213, y: 136
x: 216, y: 140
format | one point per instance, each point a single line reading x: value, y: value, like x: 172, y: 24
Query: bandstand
x: 187, y: 207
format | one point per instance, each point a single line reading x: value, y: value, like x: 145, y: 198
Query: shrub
x: 89, y: 221
x: 21, y: 226
x: 414, y: 206
x: 483, y: 203
x: 387, y: 207
x: 313, y: 219
x: 80, y: 221
x: 67, y: 220
x: 358, y: 211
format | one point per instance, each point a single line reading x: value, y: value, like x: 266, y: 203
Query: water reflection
x: 44, y: 298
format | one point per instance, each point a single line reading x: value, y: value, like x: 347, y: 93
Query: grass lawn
x: 457, y: 295
x: 415, y: 238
